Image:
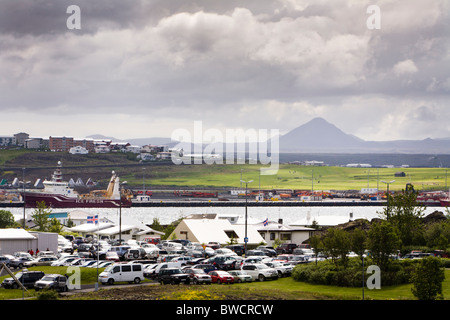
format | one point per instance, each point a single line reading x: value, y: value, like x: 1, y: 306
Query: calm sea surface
x: 290, y: 215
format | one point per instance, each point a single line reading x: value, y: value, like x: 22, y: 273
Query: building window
x: 285, y: 236
x: 185, y: 233
x: 272, y: 236
x: 231, y: 234
x: 263, y: 235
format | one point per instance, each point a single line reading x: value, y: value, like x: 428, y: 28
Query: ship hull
x: 445, y: 203
x: 61, y: 201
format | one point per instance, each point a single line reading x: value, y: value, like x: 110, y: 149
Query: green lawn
x: 288, y: 177
x: 284, y: 288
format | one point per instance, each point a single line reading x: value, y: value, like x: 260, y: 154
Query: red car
x: 219, y: 276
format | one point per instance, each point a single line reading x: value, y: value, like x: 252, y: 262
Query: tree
x: 336, y: 243
x: 358, y: 242
x: 404, y: 213
x: 156, y: 225
x: 316, y: 245
x: 427, y: 279
x: 55, y: 226
x: 382, y: 241
x: 438, y: 235
x: 6, y: 219
x: 40, y: 216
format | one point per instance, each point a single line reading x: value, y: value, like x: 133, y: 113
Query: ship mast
x: 57, y: 175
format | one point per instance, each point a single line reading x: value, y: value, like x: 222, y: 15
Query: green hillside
x: 99, y: 166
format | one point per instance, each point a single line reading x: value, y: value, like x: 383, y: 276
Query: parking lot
x: 168, y: 262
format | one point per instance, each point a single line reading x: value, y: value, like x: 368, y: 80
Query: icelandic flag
x: 92, y: 219
x: 266, y: 222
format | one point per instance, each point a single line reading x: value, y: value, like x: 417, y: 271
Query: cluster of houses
x: 201, y: 228
x: 84, y: 146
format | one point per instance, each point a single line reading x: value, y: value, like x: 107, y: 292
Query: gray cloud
x: 271, y: 64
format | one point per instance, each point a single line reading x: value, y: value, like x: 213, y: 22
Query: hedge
x: 328, y: 273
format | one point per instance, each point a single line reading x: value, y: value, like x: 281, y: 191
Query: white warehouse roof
x: 15, y: 234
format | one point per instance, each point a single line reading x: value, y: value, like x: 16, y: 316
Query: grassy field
x: 289, y: 177
x: 284, y: 289
x: 99, y: 167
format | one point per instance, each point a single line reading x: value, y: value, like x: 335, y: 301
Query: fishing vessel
x: 58, y: 194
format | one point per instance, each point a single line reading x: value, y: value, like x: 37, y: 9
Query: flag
x: 92, y: 219
x: 266, y: 222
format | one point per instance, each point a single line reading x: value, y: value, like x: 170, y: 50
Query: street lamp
x: 23, y: 198
x: 388, y: 183
x: 246, y: 202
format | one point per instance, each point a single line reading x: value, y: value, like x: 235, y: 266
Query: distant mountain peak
x: 318, y: 134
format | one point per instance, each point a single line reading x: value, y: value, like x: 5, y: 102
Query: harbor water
x: 303, y: 215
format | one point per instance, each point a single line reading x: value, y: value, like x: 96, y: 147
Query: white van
x: 118, y: 272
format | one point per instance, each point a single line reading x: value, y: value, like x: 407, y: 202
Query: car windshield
x: 109, y: 268
x: 197, y: 271
x: 48, y: 278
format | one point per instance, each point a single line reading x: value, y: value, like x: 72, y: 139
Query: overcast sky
x: 145, y: 68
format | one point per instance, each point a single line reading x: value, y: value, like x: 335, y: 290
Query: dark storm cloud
x: 229, y: 63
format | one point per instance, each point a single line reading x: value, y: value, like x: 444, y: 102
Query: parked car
x: 220, y: 276
x: 238, y: 248
x: 120, y: 250
x: 295, y: 259
x: 22, y: 254
x: 256, y: 253
x: 303, y: 251
x: 224, y: 262
x: 269, y: 251
x: 118, y: 272
x: 240, y: 276
x: 52, y: 281
x: 173, y: 276
x: 183, y: 259
x: 207, y: 267
x: 27, y: 278
x: 64, y: 261
x: 18, y: 262
x: 283, y: 268
x: 40, y: 261
x: 225, y: 251
x: 135, y: 253
x: 46, y: 253
x: 198, y: 276
x: 260, y: 271
x: 149, y: 271
x: 88, y: 263
x: 283, y: 257
x: 251, y: 260
x: 112, y: 256
x: 286, y: 248
x: 6, y: 260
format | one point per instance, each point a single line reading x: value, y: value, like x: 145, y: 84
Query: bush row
x: 328, y: 273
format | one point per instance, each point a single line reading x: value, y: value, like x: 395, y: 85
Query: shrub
x: 47, y: 294
x: 427, y: 279
x: 328, y: 273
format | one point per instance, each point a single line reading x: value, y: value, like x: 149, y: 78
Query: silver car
x: 41, y: 261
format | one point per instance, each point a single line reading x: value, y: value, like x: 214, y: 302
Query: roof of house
x: 90, y: 227
x: 277, y: 227
x: 15, y: 234
x: 208, y: 230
